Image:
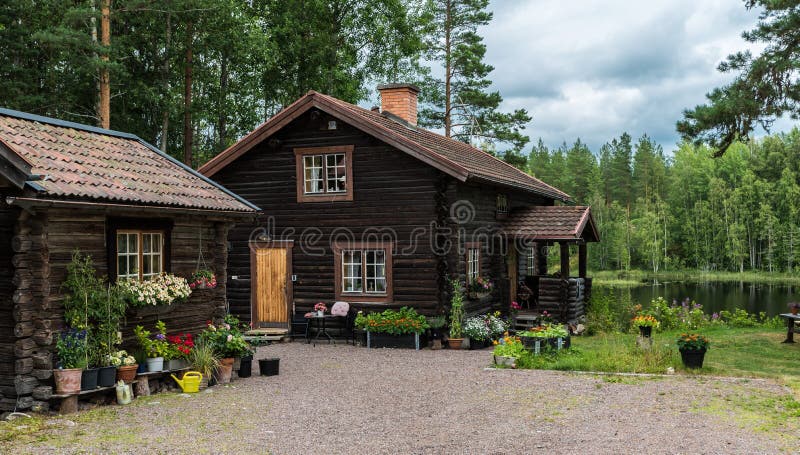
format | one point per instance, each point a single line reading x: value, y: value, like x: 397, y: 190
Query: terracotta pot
x: 127, y: 373
x: 454, y: 343
x: 68, y: 381
x: 223, y: 373
x: 793, y: 310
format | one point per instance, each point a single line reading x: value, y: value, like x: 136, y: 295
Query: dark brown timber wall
x: 394, y: 194
x: 43, y: 245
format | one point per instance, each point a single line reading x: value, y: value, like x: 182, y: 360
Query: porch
x: 531, y: 233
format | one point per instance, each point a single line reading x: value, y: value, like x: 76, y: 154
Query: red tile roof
x: 451, y: 156
x: 82, y: 162
x: 552, y: 223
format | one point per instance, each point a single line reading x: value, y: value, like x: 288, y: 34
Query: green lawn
x: 741, y: 352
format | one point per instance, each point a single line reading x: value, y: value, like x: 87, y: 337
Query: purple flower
x: 161, y: 337
x: 715, y: 316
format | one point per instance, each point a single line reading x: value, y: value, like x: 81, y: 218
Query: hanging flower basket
x: 203, y: 279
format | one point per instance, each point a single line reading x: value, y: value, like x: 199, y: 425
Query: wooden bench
x: 68, y: 402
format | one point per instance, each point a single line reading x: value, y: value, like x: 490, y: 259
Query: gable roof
x: 70, y: 160
x: 460, y: 160
x: 566, y: 223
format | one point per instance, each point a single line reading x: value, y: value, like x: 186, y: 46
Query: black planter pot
x: 107, y: 376
x: 693, y: 358
x: 646, y: 332
x: 269, y: 367
x: 246, y: 367
x: 142, y: 368
x: 478, y: 344
x: 89, y: 378
x: 384, y: 340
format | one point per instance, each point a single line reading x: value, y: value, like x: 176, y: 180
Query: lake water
x: 716, y: 296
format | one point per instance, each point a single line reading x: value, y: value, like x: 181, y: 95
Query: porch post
x: 564, y: 259
x: 541, y: 258
x: 582, y: 260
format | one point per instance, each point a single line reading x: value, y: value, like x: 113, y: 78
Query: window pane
x: 335, y: 172
x: 122, y: 243
x: 157, y: 264
x: 146, y: 243
x: 133, y: 243
x: 147, y: 268
x: 133, y: 265
x: 157, y: 240
x: 313, y: 173
x: 122, y: 266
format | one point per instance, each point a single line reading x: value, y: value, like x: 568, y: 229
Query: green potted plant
x: 393, y: 328
x: 497, y: 325
x: 456, y: 317
x: 436, y: 324
x: 227, y: 343
x: 71, y: 353
x: 154, y: 346
x: 693, y: 349
x: 203, y: 359
x: 507, y: 350
x: 646, y: 323
x: 476, y: 329
x: 125, y: 364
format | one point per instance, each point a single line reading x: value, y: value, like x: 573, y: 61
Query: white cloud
x: 595, y: 69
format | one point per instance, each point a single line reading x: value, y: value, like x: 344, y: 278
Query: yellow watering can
x: 190, y: 382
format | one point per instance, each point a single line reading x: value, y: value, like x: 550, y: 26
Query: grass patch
x: 737, y: 352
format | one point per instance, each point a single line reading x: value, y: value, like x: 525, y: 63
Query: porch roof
x: 557, y: 223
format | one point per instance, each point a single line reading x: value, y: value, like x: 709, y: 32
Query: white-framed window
x: 325, y: 173
x: 364, y: 271
x: 502, y: 204
x: 140, y: 254
x: 473, y: 262
x: 531, y: 263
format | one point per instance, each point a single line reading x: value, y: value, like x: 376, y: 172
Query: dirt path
x: 337, y: 399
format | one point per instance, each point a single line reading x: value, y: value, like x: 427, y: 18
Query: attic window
x: 502, y: 205
x: 324, y: 174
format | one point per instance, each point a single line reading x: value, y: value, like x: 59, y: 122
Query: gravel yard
x: 342, y: 399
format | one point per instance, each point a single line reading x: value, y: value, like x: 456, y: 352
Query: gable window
x: 531, y: 263
x: 140, y: 254
x: 324, y: 173
x: 473, y: 261
x: 363, y: 271
x: 501, y: 205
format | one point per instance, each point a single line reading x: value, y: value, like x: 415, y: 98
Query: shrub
x: 599, y: 313
x: 476, y: 328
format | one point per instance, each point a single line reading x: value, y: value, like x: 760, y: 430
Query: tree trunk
x: 448, y: 71
x: 104, y: 105
x: 187, y: 97
x: 222, y: 125
x: 165, y: 78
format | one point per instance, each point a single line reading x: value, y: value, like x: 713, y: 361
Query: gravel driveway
x: 342, y: 399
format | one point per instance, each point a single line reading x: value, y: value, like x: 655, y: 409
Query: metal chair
x: 299, y: 326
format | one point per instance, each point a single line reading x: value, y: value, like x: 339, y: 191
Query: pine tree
x: 460, y: 101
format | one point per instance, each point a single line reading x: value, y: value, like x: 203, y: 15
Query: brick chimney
x: 400, y: 100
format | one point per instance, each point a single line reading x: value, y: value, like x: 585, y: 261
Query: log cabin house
x: 365, y: 206
x: 67, y: 186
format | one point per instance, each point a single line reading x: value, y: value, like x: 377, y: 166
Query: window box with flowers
x: 549, y: 335
x: 480, y: 288
x: 393, y: 328
x: 157, y: 295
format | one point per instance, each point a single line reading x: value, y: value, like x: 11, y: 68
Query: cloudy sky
x: 593, y: 69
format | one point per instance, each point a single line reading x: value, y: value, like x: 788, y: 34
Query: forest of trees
x: 656, y: 212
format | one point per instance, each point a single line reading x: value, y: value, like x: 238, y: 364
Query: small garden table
x: 790, y: 326
x: 321, y: 330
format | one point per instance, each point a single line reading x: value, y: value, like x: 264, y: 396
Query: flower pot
x: 107, y: 376
x: 89, y: 378
x: 454, y: 343
x: 477, y: 344
x: 385, y: 340
x: 155, y: 364
x: 223, y: 372
x: 246, y: 367
x: 127, y: 373
x: 646, y: 332
x: 505, y: 361
x: 68, y: 380
x: 203, y: 383
x: 141, y: 368
x: 693, y: 358
x: 793, y: 310
x: 175, y: 364
x: 269, y: 367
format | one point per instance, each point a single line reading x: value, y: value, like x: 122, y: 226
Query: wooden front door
x: 271, y: 285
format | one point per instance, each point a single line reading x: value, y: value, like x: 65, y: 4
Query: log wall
x: 394, y: 194
x: 8, y: 393
x: 43, y: 245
